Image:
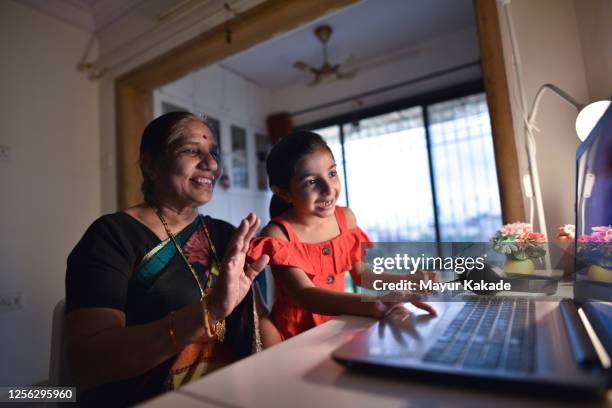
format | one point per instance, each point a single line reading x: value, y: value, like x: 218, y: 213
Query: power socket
x: 11, y: 301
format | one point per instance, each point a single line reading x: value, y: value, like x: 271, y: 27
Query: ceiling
x: 89, y: 15
x: 370, y: 32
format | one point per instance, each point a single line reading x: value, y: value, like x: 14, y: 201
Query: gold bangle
x: 220, y: 330
x: 175, y: 343
x: 206, y: 317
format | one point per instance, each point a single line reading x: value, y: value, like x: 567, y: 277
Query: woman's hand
x: 234, y: 282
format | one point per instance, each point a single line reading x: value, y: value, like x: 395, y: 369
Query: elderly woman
x: 158, y: 295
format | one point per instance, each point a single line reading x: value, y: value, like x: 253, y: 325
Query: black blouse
x: 100, y: 273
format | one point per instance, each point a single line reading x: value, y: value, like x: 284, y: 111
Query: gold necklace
x: 219, y: 325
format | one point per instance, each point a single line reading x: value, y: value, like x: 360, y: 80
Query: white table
x: 301, y: 373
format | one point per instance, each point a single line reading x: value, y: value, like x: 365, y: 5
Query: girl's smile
x: 324, y: 205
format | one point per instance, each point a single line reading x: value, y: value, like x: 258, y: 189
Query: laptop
x: 539, y: 345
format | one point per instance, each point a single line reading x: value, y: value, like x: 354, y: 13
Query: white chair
x: 59, y: 373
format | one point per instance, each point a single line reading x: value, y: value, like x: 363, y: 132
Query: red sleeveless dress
x: 323, y: 262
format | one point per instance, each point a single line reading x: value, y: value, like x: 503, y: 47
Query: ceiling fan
x: 326, y: 72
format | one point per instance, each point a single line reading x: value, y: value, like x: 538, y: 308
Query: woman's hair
x: 156, y: 140
x: 283, y: 158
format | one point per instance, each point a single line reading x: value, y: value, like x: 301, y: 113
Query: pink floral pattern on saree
x: 197, y: 248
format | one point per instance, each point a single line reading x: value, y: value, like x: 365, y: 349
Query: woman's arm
x: 102, y: 349
x: 269, y: 333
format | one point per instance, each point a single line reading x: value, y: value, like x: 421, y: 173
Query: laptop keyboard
x: 489, y: 334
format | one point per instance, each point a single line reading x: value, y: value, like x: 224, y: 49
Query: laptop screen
x: 593, y: 264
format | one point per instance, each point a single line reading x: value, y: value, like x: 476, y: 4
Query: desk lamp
x: 587, y: 118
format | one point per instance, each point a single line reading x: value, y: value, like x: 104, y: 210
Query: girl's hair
x: 156, y: 140
x: 283, y: 158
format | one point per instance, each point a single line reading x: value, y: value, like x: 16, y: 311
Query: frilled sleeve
x: 359, y: 243
x: 282, y: 253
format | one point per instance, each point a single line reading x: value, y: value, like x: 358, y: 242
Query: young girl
x: 311, y: 241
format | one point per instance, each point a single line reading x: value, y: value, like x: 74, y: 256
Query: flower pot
x: 600, y: 274
x: 525, y: 266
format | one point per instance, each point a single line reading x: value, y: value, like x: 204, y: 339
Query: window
x: 332, y: 137
x: 464, y: 169
x: 428, y: 170
x: 387, y: 169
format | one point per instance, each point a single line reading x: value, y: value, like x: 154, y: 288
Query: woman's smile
x: 203, y: 182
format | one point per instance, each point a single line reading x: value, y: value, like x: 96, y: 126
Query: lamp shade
x: 588, y: 117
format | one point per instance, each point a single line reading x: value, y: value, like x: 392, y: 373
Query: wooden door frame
x: 134, y: 90
x: 500, y: 110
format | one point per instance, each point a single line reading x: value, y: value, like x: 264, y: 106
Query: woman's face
x: 315, y: 187
x: 189, y: 173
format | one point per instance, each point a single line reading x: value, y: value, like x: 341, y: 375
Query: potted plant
x: 520, y: 245
x: 595, y: 250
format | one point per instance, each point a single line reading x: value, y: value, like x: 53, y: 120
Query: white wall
x: 51, y: 184
x: 595, y: 29
x: 434, y: 55
x: 550, y: 49
x: 217, y: 92
x: 135, y: 39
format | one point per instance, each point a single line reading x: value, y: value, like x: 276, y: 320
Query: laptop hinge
x: 579, y: 340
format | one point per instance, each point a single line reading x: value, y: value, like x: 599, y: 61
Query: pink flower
x: 568, y: 231
x: 532, y: 237
x: 516, y: 228
x: 601, y: 234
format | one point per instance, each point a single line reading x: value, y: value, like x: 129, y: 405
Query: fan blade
x: 302, y: 66
x: 347, y: 60
x: 346, y: 75
x: 315, y: 81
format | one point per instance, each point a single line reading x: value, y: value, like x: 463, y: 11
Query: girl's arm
x: 320, y: 300
x: 326, y: 301
x: 360, y: 270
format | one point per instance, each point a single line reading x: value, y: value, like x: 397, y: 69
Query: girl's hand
x: 425, y: 306
x: 423, y: 276
x: 234, y: 281
x: 419, y: 276
x: 381, y: 310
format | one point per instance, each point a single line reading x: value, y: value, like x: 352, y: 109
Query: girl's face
x: 315, y: 187
x: 190, y: 170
